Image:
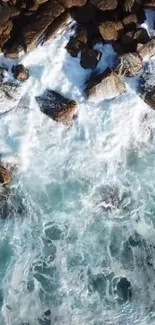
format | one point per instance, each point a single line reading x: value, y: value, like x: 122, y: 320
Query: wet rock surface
x: 147, y: 85
x: 129, y: 65
x: 20, y: 73
x: 57, y: 107
x: 104, y: 86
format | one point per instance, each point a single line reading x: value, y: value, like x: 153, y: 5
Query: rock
x: 14, y: 11
x: 72, y: 3
x: 41, y: 1
x: 57, y: 107
x: 57, y: 26
x: 104, y: 86
x: 8, y: 97
x: 147, y: 84
x: 5, y: 13
x: 130, y: 22
x: 139, y: 35
x: 111, y: 30
x: 83, y: 14
x: 132, y: 6
x: 20, y: 73
x: 105, y: 4
x: 5, y: 30
x: 47, y: 313
x: 40, y: 22
x: 124, y: 290
x: 150, y: 4
x: 147, y: 50
x: 74, y: 46
x: 5, y: 176
x: 90, y: 58
x: 129, y: 65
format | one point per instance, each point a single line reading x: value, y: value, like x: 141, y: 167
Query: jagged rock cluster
x: 24, y: 22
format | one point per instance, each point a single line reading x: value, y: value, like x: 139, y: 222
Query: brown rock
x: 40, y: 22
x: 77, y: 42
x: 41, y: 1
x: 5, y: 176
x: 57, y: 26
x: 20, y: 73
x: 90, y: 58
x: 111, y: 30
x: 147, y: 50
x: 129, y: 65
x: 72, y: 3
x: 130, y: 22
x: 105, y: 86
x: 5, y: 13
x: 57, y: 107
x: 105, y: 4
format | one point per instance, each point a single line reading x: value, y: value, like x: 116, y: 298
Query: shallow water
x: 81, y: 212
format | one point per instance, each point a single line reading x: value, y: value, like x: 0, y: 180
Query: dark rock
x: 124, y: 48
x: 111, y: 30
x: 124, y: 289
x: 130, y: 22
x: 83, y: 14
x: 5, y: 13
x: 132, y: 6
x: 129, y: 65
x: 147, y: 50
x: 140, y: 35
x: 104, y: 86
x: 147, y: 85
x: 14, y: 11
x: 90, y: 58
x: 20, y: 73
x: 105, y: 4
x: 47, y: 313
x: 57, y: 107
x: 150, y: 4
x: 74, y: 46
x: 72, y: 3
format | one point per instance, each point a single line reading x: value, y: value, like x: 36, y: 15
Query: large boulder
x: 105, y: 4
x: 129, y: 65
x: 111, y: 30
x: 147, y: 84
x: 57, y: 26
x: 140, y: 35
x: 5, y: 13
x: 56, y: 106
x: 40, y: 22
x: 105, y: 86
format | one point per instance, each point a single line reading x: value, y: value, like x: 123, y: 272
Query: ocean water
x: 77, y: 234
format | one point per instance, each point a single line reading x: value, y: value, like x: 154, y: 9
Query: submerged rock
x: 124, y: 289
x: 20, y: 72
x: 129, y: 65
x: 147, y: 85
x: 56, y: 106
x: 106, y: 85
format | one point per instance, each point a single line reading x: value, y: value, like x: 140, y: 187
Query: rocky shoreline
x: 24, y: 24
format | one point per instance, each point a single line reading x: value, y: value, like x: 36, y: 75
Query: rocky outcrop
x: 105, y: 4
x: 57, y: 107
x: 129, y: 65
x: 105, y: 86
x: 20, y: 73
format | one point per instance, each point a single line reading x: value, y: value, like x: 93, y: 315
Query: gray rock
x: 129, y: 65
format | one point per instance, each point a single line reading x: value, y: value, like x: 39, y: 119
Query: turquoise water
x: 80, y: 215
